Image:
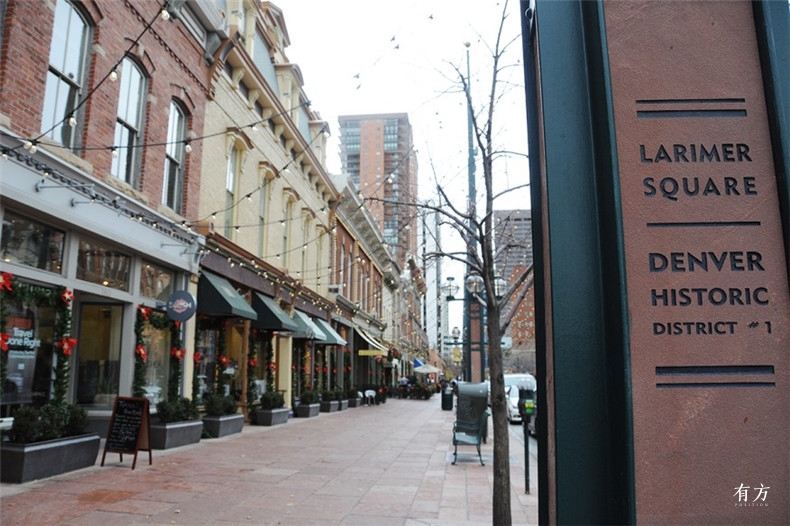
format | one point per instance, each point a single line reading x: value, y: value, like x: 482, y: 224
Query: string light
x: 165, y: 14
x: 113, y: 75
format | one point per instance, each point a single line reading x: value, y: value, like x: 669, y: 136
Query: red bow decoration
x: 253, y: 362
x: 144, y: 312
x: 178, y: 353
x: 223, y: 359
x: 5, y: 280
x: 334, y: 371
x: 293, y: 368
x: 4, y: 341
x: 272, y: 366
x: 177, y: 324
x: 140, y: 351
x: 196, y: 357
x: 67, y: 344
x: 67, y: 296
x: 325, y: 369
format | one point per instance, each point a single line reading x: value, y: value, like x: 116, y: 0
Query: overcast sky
x: 373, y: 56
x: 366, y: 56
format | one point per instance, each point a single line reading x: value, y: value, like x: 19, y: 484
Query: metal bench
x: 466, y: 433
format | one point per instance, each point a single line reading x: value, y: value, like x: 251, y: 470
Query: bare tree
x: 476, y: 227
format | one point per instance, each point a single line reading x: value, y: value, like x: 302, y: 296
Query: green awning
x: 332, y: 337
x: 271, y: 317
x: 307, y: 329
x: 217, y: 297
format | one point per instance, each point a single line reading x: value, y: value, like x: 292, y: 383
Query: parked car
x: 523, y: 379
x: 511, y: 398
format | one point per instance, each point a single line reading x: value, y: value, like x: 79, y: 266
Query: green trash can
x: 447, y: 399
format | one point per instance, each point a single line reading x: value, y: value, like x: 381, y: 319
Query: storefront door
x: 99, y: 352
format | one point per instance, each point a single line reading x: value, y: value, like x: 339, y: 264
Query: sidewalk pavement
x: 381, y: 465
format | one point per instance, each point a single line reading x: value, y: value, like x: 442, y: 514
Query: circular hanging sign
x: 181, y: 305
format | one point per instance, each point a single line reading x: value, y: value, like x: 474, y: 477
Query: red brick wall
x: 169, y: 55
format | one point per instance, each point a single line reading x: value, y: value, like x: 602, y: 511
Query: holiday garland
x: 157, y: 320
x: 58, y: 298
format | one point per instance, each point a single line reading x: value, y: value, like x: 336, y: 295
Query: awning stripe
x: 371, y: 340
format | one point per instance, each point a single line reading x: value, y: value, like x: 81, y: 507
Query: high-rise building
x: 377, y: 153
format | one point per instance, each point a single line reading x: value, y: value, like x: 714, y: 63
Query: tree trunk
x: 501, y: 498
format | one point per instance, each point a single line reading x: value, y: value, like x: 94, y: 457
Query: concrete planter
x: 306, y: 410
x: 26, y: 462
x: 354, y: 402
x: 175, y: 434
x: 330, y: 406
x: 271, y: 417
x: 221, y: 426
x: 342, y: 405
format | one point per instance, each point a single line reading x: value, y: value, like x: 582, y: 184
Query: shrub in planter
x: 272, y: 400
x: 272, y: 410
x: 178, y: 410
x: 217, y: 405
x: 308, y: 397
x: 47, y: 441
x: 50, y: 421
x: 327, y: 395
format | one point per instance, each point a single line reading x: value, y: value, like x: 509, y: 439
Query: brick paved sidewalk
x: 383, y: 465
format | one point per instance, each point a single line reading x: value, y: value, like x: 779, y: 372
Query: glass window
x: 230, y: 190
x: 206, y: 345
x: 31, y: 243
x: 104, y: 265
x: 31, y: 332
x: 173, y: 184
x: 68, y: 55
x: 156, y: 282
x: 99, y: 351
x: 157, y: 343
x: 129, y: 122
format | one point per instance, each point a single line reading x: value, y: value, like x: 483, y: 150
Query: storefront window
x: 104, y: 265
x: 156, y: 282
x: 206, y: 367
x: 30, y: 345
x: 31, y: 243
x: 157, y: 343
x: 99, y: 350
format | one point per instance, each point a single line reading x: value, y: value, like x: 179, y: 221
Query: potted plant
x: 47, y: 441
x: 328, y: 402
x: 222, y: 417
x: 308, y: 405
x: 342, y: 401
x: 178, y: 424
x: 50, y: 439
x: 272, y: 410
x: 354, y: 400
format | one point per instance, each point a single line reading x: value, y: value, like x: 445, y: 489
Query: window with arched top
x: 175, y: 156
x: 129, y: 122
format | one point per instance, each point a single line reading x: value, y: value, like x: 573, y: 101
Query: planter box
x: 271, y: 417
x: 342, y: 405
x: 306, y: 411
x: 26, y: 462
x: 329, y: 406
x: 354, y: 402
x: 175, y: 434
x: 222, y: 426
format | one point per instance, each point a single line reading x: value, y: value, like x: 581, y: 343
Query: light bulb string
x: 106, y: 76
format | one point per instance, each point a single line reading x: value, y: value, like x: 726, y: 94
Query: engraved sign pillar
x: 659, y: 172
x: 709, y: 308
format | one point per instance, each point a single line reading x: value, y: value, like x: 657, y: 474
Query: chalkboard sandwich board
x: 129, y: 429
